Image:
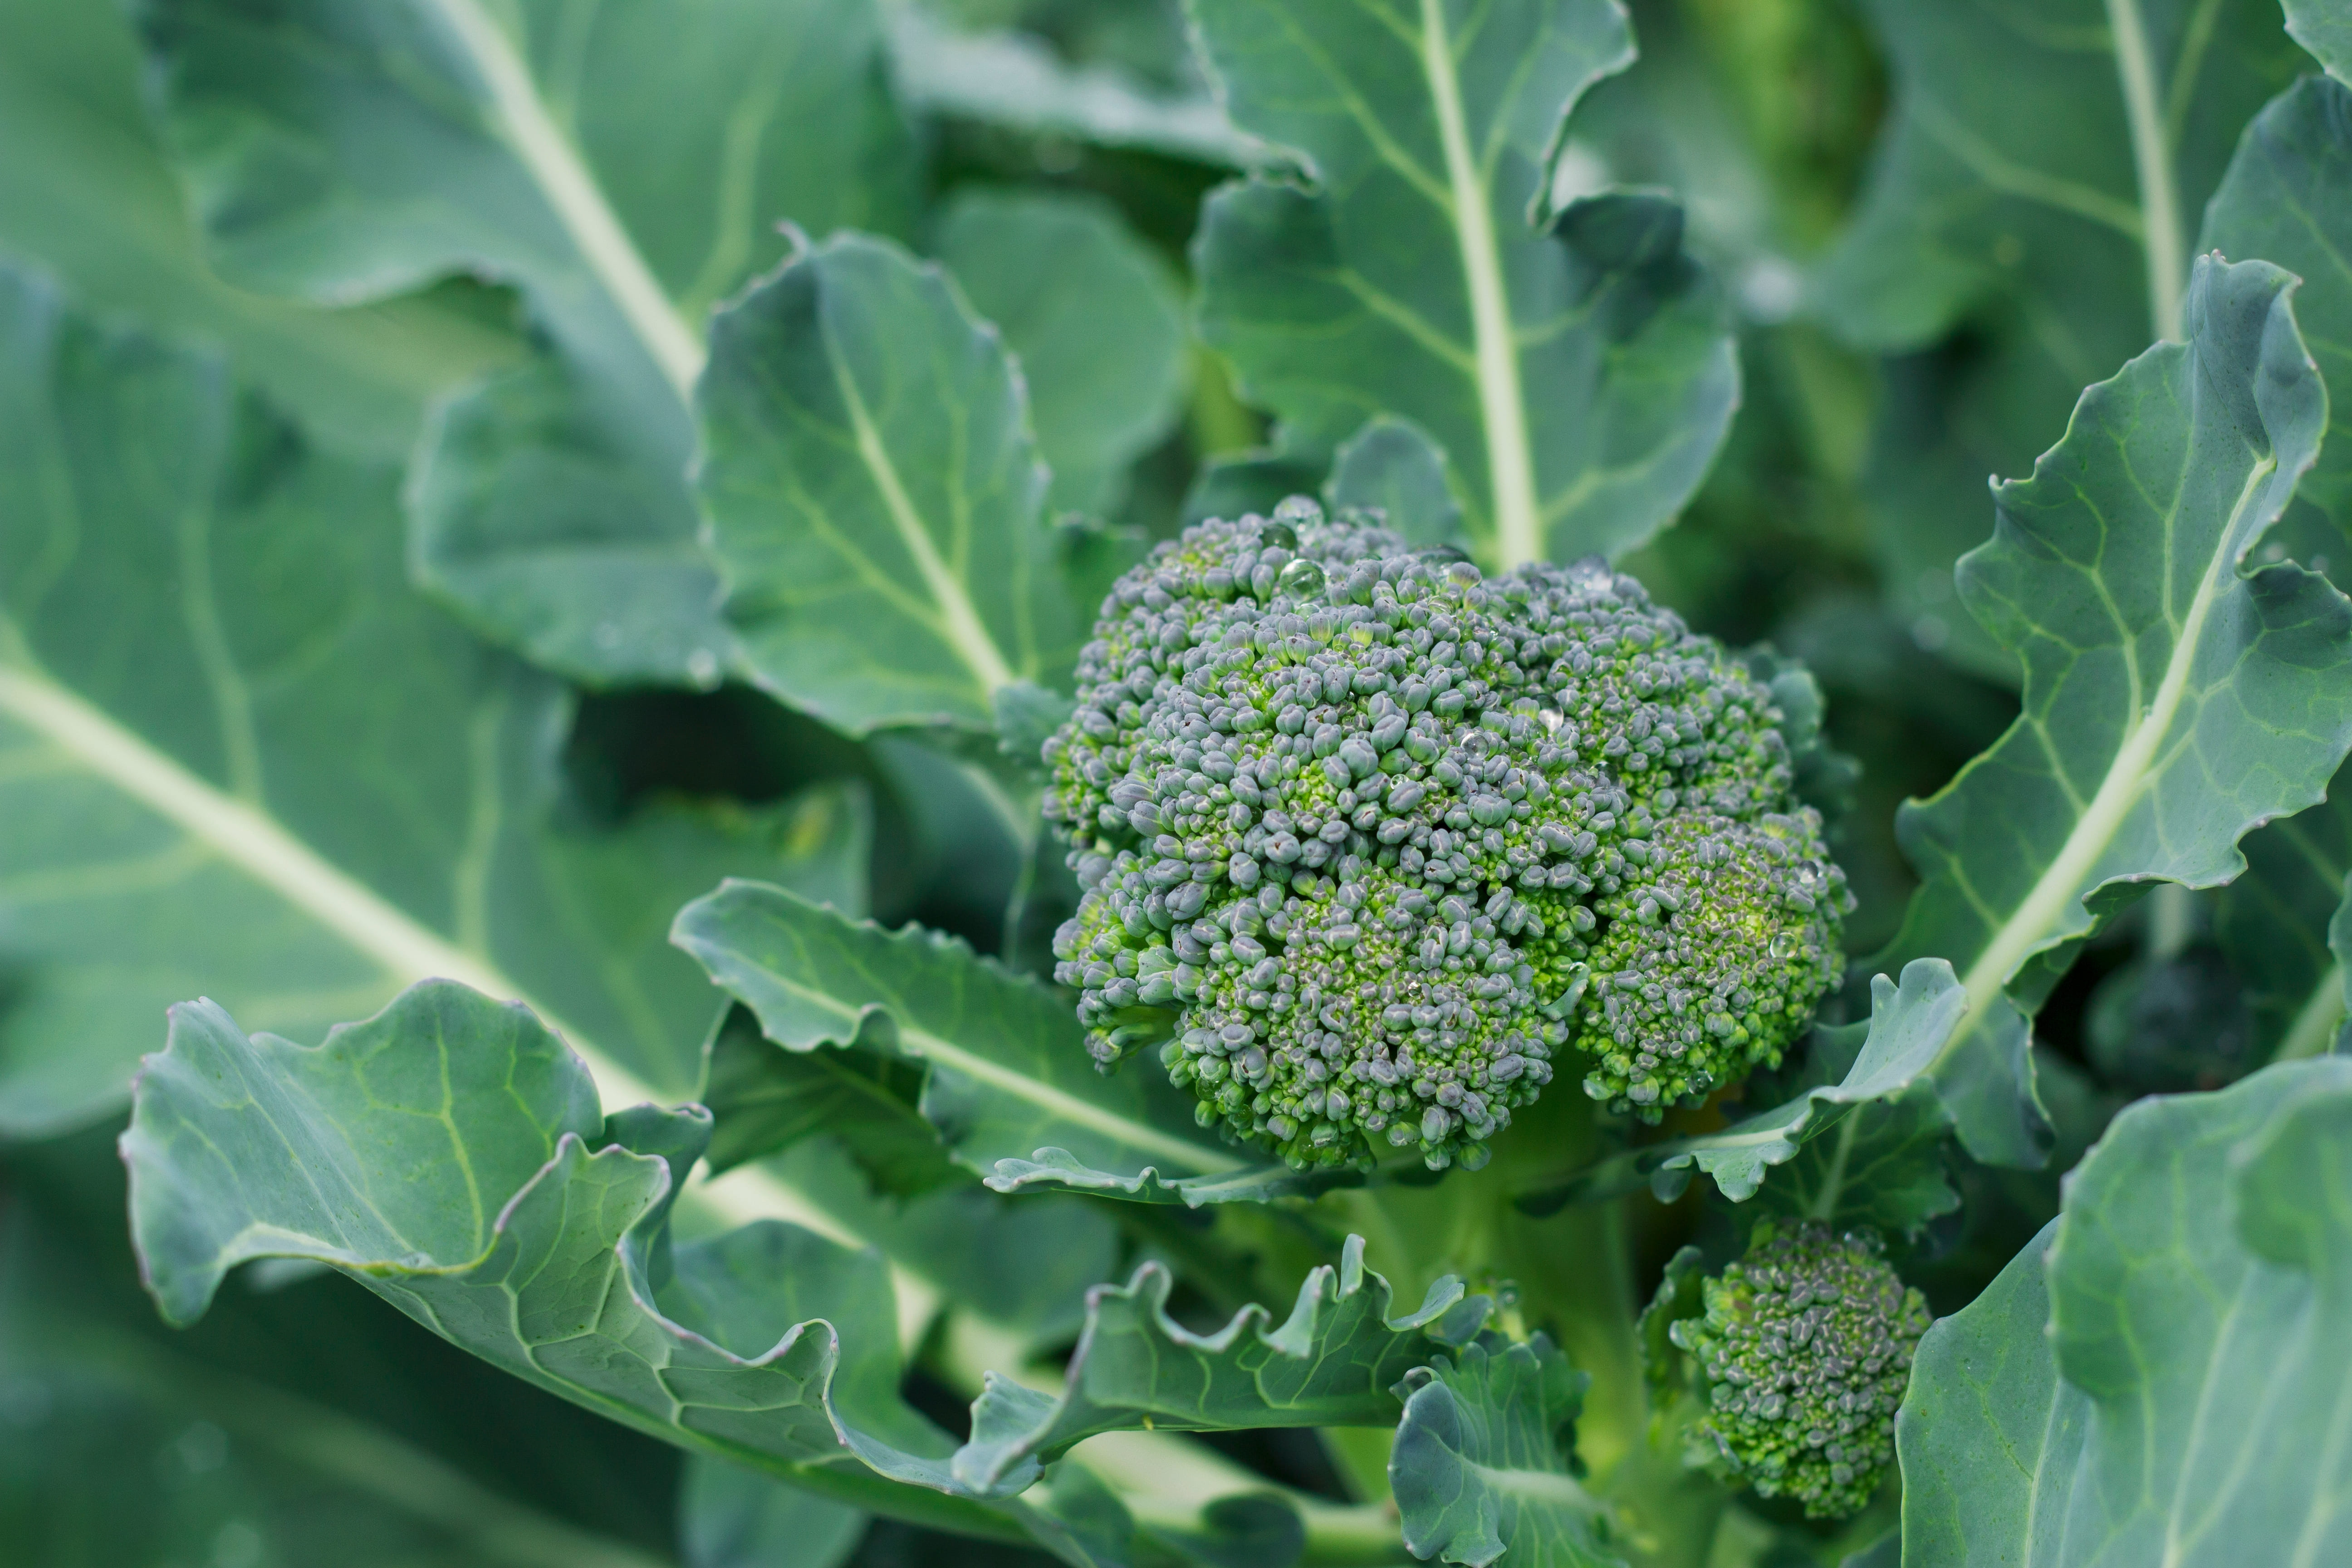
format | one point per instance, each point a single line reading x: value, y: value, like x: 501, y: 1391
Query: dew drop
x: 1590, y: 575
x: 702, y: 667
x: 1552, y: 719
x: 1784, y: 945
x: 1280, y: 533
x: 1302, y: 579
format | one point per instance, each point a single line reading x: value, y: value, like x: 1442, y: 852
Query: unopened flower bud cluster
x: 1805, y: 1348
x: 1366, y: 838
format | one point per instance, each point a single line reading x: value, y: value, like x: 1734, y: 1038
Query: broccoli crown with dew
x: 1365, y: 838
x: 1805, y: 1347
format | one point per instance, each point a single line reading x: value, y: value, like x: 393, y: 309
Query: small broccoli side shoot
x: 1365, y: 839
x: 1803, y: 1352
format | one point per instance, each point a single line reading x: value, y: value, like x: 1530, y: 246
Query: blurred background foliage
x: 265, y: 1436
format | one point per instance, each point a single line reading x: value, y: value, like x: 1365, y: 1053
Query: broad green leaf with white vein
x: 1577, y: 379
x: 212, y: 787
x: 2039, y: 180
x: 2173, y: 700
x: 2323, y: 27
x: 86, y: 193
x: 2193, y: 1295
x: 625, y: 172
x: 1009, y: 1073
x: 874, y: 494
x: 1095, y: 319
x: 440, y: 1154
x: 1480, y: 1466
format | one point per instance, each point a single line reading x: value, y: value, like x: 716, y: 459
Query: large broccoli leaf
x: 1481, y: 1467
x: 85, y: 192
x: 2186, y: 1402
x: 1578, y: 375
x: 2321, y: 27
x: 244, y: 759
x: 450, y: 1154
x: 1008, y: 1082
x: 2173, y: 699
x: 2038, y: 183
x: 875, y: 495
x: 304, y: 1424
x: 624, y: 171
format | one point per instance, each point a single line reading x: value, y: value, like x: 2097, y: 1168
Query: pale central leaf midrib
x: 2159, y: 198
x: 960, y: 621
x: 2028, y: 930
x: 1518, y: 523
x: 922, y: 1043
x: 556, y: 167
x: 263, y: 849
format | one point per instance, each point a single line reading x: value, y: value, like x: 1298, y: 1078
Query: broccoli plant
x: 1175, y: 784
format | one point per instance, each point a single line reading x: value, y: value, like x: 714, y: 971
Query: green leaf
x: 86, y: 193
x: 1392, y: 465
x: 730, y: 1517
x: 1021, y: 1266
x: 2321, y: 27
x: 873, y: 491
x: 1880, y: 1109
x: 440, y: 1154
x: 1481, y: 1464
x: 764, y: 1100
x: 1333, y: 1363
x: 1095, y: 320
x: 624, y: 171
x: 2279, y: 925
x: 244, y: 759
x: 2039, y: 180
x: 2282, y: 199
x: 1008, y: 80
x: 270, y: 1437
x: 1007, y: 1074
x: 2185, y: 1401
x: 1579, y: 379
x: 1057, y: 1167
x: 2173, y: 700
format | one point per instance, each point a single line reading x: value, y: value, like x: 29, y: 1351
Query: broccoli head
x: 1365, y: 838
x: 1805, y: 1347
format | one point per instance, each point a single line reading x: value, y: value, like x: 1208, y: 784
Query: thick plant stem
x: 1569, y: 1271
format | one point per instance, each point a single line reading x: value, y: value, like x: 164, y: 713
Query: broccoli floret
x: 1805, y: 1347
x: 1364, y: 838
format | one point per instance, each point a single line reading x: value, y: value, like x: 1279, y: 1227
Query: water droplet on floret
x: 1590, y: 575
x: 1301, y: 579
x: 1280, y: 533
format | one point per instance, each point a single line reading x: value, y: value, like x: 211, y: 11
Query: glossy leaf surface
x: 2173, y: 699
x: 1008, y: 1073
x: 2193, y: 1292
x: 1573, y: 367
x: 1480, y: 1467
x: 212, y: 789
x: 873, y: 493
